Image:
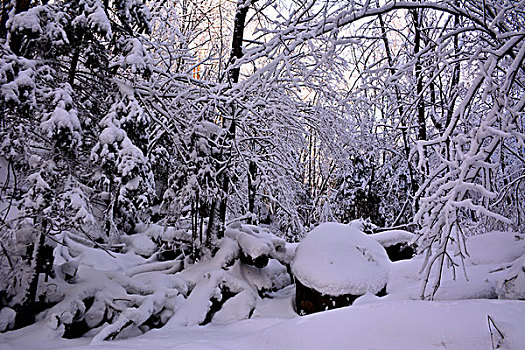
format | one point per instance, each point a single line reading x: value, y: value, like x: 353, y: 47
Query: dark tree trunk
x: 22, y: 5
x: 252, y: 189
x: 219, y: 207
x: 27, y: 311
x: 73, y: 68
x: 238, y: 35
x: 421, y: 121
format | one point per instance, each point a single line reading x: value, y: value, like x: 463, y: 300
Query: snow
x: 460, y: 318
x: 272, y: 277
x: 195, y: 308
x: 135, y: 56
x: 98, y: 20
x: 279, y: 305
x: 337, y: 259
x: 129, y: 156
x: 206, y: 280
x: 7, y: 318
x: 393, y: 237
x: 512, y: 285
x: 164, y: 233
x: 503, y: 247
x: 406, y: 324
x: 78, y: 203
x: 141, y: 244
x: 256, y: 242
x: 111, y: 134
x: 236, y: 308
x: 99, y: 259
x: 28, y: 20
x: 249, y: 244
x: 59, y: 120
x: 9, y: 92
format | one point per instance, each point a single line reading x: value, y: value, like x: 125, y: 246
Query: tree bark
x: 252, y: 189
x: 27, y: 312
x: 421, y: 121
x: 219, y: 207
x: 73, y: 68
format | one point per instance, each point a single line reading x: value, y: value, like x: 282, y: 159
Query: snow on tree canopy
x: 28, y: 20
x: 337, y: 259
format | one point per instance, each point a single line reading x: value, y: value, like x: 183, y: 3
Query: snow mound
x: 512, y: 286
x: 99, y: 259
x: 140, y: 244
x: 237, y: 308
x: 393, y: 237
x: 337, y: 259
x: 270, y: 278
x: 495, y: 247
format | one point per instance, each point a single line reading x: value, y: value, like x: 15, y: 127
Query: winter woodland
x: 185, y: 172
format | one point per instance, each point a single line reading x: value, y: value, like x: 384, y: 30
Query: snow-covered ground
x: 465, y: 315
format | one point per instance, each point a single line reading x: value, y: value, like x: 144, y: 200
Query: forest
x: 163, y: 161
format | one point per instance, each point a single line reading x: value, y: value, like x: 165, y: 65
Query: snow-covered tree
x: 57, y: 68
x: 124, y: 171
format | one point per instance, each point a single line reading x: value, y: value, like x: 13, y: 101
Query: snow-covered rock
x: 336, y: 259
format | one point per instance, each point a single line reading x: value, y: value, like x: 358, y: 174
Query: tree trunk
x: 421, y: 121
x: 73, y: 68
x: 27, y: 312
x: 238, y: 35
x: 252, y: 189
x: 220, y: 204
